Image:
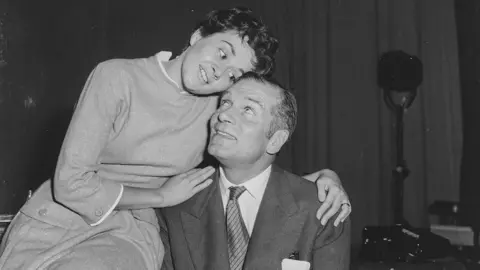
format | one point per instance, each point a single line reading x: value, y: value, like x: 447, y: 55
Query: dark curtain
x: 51, y: 47
x: 468, y: 25
x: 328, y: 55
x: 329, y: 52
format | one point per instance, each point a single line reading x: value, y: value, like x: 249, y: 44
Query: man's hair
x: 284, y: 112
x: 242, y: 21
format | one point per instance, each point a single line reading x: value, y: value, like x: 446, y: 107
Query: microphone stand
x: 399, y: 75
x: 401, y: 171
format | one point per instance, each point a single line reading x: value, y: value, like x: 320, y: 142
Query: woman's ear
x: 196, y: 36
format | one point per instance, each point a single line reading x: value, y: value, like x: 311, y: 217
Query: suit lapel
x: 277, y: 226
x: 203, y: 221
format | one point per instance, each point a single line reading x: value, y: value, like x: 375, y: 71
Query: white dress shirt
x: 250, y: 200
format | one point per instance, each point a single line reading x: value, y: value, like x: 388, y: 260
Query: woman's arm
x: 176, y: 190
x: 99, y: 113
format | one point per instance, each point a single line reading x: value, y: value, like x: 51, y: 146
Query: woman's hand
x: 335, y: 199
x: 182, y: 187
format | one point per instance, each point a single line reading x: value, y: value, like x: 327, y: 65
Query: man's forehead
x: 250, y: 88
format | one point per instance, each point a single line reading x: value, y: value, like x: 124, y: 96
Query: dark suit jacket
x: 194, y: 232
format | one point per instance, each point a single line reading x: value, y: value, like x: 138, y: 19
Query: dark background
x: 328, y: 54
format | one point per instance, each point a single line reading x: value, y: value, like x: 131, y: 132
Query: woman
x: 137, y: 123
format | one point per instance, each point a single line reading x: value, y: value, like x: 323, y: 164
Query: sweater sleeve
x: 76, y: 183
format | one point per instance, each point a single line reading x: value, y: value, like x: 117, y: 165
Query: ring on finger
x: 347, y: 204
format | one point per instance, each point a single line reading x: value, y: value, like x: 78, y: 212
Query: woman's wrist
x: 140, y: 198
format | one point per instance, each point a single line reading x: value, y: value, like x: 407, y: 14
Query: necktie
x: 236, y: 231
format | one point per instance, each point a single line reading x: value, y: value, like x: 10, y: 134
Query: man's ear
x: 196, y: 36
x: 276, y: 142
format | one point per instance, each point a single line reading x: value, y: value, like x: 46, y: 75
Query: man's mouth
x: 203, y: 75
x: 224, y: 134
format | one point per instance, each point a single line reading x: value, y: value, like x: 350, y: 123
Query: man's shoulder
x: 302, y: 190
x: 305, y: 194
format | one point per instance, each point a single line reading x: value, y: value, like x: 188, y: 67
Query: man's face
x: 212, y: 63
x: 240, y: 125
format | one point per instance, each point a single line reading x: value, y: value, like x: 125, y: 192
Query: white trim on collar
x: 165, y: 56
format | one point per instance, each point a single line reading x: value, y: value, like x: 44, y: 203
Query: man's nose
x: 225, y: 117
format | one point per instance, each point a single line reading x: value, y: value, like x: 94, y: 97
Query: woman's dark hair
x: 242, y: 21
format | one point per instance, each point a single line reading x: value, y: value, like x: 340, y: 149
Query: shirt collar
x: 255, y: 186
x: 165, y: 56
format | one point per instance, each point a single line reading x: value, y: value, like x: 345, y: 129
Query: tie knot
x: 235, y: 192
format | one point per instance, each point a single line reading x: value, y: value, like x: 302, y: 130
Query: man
x: 255, y: 215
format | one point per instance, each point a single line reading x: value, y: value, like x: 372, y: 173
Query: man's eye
x: 223, y: 55
x: 232, y: 77
x: 249, y: 110
x: 224, y: 103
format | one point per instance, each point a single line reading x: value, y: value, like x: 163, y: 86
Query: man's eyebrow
x: 225, y: 94
x: 257, y: 101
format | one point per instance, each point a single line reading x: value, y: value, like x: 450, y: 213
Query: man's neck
x: 240, y: 174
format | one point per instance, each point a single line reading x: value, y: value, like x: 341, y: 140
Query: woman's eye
x: 223, y: 55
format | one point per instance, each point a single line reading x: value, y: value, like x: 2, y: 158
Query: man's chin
x: 216, y: 152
